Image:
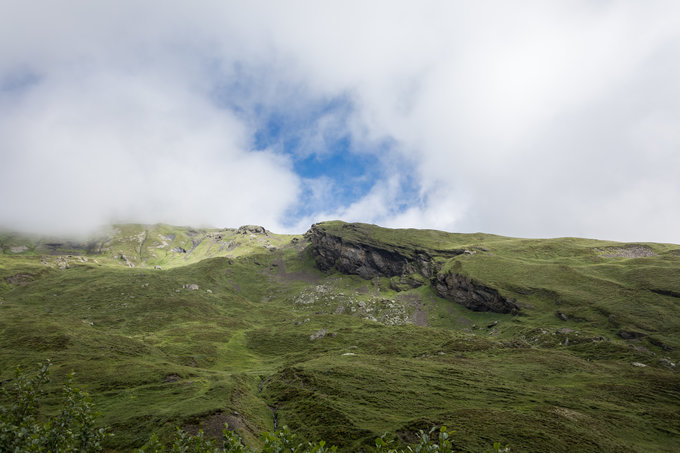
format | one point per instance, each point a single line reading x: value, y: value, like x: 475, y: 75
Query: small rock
x: 638, y: 364
x: 208, y: 291
x: 493, y: 324
x: 349, y: 353
x: 562, y: 316
x: 236, y: 413
x: 191, y: 286
x: 158, y: 268
x: 320, y: 334
x: 642, y: 349
x: 630, y: 335
x: 667, y: 362
x: 565, y: 330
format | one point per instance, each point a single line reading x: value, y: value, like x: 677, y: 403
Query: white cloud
x: 529, y: 119
x: 113, y: 147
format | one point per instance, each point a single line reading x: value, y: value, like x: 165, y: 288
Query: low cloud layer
x: 545, y: 119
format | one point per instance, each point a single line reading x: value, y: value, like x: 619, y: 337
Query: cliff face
x: 476, y: 297
x: 369, y: 259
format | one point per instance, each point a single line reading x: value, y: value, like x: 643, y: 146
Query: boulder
x: 667, y: 362
x: 320, y: 334
x: 252, y: 229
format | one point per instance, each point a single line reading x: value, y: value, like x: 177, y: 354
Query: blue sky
x: 347, y: 169
x: 537, y: 120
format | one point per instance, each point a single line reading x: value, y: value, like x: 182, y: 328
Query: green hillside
x: 353, y: 330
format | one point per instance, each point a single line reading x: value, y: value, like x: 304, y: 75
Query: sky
x: 526, y: 118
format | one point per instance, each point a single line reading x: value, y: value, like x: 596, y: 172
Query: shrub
x: 22, y: 429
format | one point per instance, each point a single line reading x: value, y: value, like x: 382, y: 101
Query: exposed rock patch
x: 125, y: 259
x: 172, y: 377
x: 316, y: 335
x: 368, y: 260
x: 20, y: 279
x: 475, y: 296
x: 627, y: 251
x: 252, y: 229
x: 631, y: 335
x: 666, y: 292
x: 213, y: 425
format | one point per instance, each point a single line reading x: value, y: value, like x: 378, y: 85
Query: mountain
x: 352, y: 330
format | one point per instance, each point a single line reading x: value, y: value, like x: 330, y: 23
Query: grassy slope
x: 156, y: 355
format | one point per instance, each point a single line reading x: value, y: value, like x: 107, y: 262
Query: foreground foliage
x: 284, y: 441
x: 72, y: 429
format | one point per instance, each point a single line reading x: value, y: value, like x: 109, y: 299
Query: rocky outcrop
x: 405, y: 267
x: 666, y: 292
x: 367, y: 261
x: 477, y: 297
x: 252, y: 229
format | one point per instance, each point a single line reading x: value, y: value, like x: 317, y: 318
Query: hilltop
x: 353, y: 330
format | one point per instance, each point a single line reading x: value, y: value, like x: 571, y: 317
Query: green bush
x: 22, y: 429
x: 280, y: 441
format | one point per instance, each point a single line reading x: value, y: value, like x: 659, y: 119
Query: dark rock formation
x: 405, y: 267
x: 631, y: 334
x: 366, y: 260
x: 475, y: 296
x: 666, y: 292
